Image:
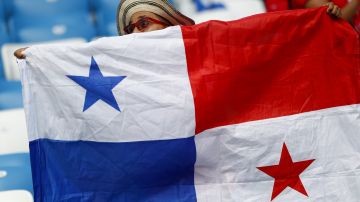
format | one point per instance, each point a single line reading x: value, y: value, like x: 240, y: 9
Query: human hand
x: 19, y: 53
x: 333, y: 9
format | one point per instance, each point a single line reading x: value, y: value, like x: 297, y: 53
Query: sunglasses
x: 142, y: 24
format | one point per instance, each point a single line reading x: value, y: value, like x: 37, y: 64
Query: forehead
x: 140, y: 14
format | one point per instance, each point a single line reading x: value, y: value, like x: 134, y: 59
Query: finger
x: 330, y: 7
x: 19, y: 53
x: 338, y: 14
x: 335, y: 10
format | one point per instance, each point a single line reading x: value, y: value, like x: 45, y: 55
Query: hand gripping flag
x: 266, y: 108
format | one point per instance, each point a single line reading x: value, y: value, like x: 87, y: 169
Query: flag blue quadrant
x: 161, y: 170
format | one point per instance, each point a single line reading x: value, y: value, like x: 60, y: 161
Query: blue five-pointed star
x: 97, y: 86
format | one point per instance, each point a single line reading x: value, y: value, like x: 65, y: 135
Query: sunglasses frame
x: 137, y: 24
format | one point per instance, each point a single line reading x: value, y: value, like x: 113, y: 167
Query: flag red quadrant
x: 271, y: 66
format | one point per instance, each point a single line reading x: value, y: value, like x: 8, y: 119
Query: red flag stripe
x: 271, y: 65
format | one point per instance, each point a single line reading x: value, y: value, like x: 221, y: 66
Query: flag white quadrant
x: 228, y: 157
x: 155, y: 98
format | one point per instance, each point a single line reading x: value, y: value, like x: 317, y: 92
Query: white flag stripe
x: 165, y: 109
x: 228, y: 157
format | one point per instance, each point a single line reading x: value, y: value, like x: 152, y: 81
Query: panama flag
x: 265, y: 108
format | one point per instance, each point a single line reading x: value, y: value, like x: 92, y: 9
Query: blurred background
x: 27, y: 22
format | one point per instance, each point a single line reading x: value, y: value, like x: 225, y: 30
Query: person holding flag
x: 246, y: 110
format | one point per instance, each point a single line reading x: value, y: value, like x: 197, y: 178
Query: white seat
x: 234, y: 10
x: 10, y: 65
x: 16, y: 196
x: 13, y: 136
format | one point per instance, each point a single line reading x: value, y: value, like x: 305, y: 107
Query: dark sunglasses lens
x: 142, y: 24
x: 129, y: 29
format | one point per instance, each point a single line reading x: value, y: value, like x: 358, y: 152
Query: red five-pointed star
x: 287, y: 173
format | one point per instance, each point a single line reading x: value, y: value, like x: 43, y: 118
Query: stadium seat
x: 3, y: 39
x: 16, y: 195
x: 10, y: 95
x: 11, y: 68
x: 52, y: 28
x: 203, y: 6
x: 105, y: 11
x: 37, y: 9
x: 13, y: 135
x: 1, y: 68
x: 15, y: 169
x: 15, y: 172
x: 234, y: 10
x: 2, y: 11
x: 3, y: 33
x: 42, y: 20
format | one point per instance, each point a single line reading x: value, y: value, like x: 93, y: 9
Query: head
x: 134, y: 16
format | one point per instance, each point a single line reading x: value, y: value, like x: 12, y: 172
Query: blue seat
x: 39, y: 9
x: 16, y: 171
x: 42, y: 20
x: 201, y: 6
x: 10, y: 95
x: 2, y: 73
x: 2, y: 11
x: 4, y: 37
x: 106, y: 16
x: 52, y: 28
